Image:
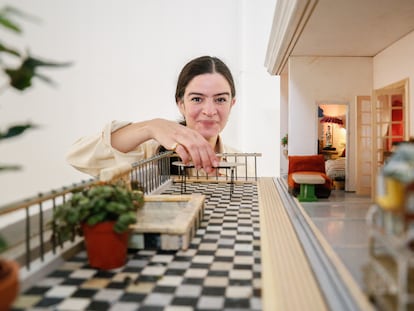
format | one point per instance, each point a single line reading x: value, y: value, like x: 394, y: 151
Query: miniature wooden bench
x: 307, y: 184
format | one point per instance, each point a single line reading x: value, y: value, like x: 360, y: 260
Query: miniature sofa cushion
x: 309, y: 164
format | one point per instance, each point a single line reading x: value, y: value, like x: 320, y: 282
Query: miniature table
x: 222, y: 165
x: 307, y: 186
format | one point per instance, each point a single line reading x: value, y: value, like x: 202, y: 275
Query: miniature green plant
x: 97, y: 204
x: 3, y: 245
x: 284, y: 140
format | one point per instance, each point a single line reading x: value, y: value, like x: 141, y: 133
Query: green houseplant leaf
x: 20, y: 77
x: 15, y: 130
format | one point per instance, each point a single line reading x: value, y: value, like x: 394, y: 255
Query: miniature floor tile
x: 132, y: 297
x: 239, y: 291
x: 158, y: 299
x: 196, y: 273
x: 84, y: 293
x: 47, y: 302
x: 178, y: 308
x: 124, y: 277
x: 162, y: 258
x: 83, y: 274
x: 179, y: 265
x: 96, y: 283
x: 211, y: 303
x: 187, y: 290
x: 108, y: 294
x: 221, y: 270
x: 124, y: 306
x: 170, y: 280
x: 73, y: 304
x: 49, y: 282
x: 141, y: 287
x: 27, y: 301
x: 61, y: 291
x: 71, y: 265
x: 216, y: 281
x: 203, y: 259
x: 221, y: 265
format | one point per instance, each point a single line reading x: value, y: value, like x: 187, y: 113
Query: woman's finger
x: 182, y: 153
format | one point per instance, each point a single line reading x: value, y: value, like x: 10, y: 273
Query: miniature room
x: 332, y: 140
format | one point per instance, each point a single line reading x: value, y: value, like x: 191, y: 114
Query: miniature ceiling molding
x: 289, y: 20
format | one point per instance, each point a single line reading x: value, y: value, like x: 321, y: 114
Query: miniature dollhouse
x: 390, y: 272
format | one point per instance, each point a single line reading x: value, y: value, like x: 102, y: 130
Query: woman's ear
x: 233, y: 101
x: 181, y: 106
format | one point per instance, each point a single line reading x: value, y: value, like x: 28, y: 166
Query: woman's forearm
x: 129, y: 137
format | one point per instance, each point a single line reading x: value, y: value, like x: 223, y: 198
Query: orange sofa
x: 309, y: 164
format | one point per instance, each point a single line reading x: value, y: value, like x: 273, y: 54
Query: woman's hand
x: 187, y: 143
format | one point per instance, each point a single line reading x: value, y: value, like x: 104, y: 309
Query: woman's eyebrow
x: 201, y: 94
x: 221, y: 94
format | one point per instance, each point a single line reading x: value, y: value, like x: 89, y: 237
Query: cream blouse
x: 91, y: 154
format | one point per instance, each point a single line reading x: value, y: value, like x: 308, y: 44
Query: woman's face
x: 206, y: 104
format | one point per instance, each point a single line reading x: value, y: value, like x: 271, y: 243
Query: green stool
x: 307, y: 184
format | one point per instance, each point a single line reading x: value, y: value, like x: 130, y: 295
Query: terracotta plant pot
x: 106, y: 249
x: 9, y: 283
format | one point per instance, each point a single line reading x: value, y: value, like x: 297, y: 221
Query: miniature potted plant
x: 9, y: 279
x: 284, y: 143
x: 102, y: 214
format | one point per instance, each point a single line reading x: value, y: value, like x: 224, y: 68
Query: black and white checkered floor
x: 220, y: 271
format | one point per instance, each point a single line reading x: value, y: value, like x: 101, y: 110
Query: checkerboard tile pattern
x: 221, y: 270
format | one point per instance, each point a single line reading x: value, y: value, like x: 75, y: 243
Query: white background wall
x: 126, y: 57
x: 314, y: 80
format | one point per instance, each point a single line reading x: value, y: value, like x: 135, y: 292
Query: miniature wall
x: 395, y: 64
x: 329, y: 79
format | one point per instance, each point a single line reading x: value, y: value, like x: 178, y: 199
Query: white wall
x: 329, y: 79
x: 127, y: 55
x: 284, y: 126
x: 259, y: 124
x: 394, y: 64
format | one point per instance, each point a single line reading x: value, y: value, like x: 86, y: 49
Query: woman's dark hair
x: 199, y: 66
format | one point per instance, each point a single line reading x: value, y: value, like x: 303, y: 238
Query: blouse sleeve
x: 90, y: 154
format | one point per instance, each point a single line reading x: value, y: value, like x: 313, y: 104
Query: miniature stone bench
x: 307, y: 184
x: 167, y: 222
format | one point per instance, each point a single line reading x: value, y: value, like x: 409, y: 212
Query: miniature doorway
x: 333, y: 140
x: 390, y: 124
x: 332, y: 133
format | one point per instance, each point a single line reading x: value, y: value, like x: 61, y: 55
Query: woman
x: 205, y: 95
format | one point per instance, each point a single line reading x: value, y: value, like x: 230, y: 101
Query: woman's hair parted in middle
x: 199, y: 66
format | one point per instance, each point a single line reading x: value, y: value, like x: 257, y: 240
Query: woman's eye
x: 221, y: 100
x: 196, y: 99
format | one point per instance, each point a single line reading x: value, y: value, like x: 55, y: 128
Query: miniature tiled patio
x: 221, y: 270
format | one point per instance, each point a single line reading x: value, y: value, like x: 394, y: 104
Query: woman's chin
x: 209, y: 134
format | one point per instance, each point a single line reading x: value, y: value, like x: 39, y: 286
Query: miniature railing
x: 35, y: 213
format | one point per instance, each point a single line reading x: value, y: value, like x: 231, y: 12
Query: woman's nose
x: 209, y: 108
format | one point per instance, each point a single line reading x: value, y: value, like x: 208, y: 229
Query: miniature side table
x: 307, y: 186
x: 222, y: 165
